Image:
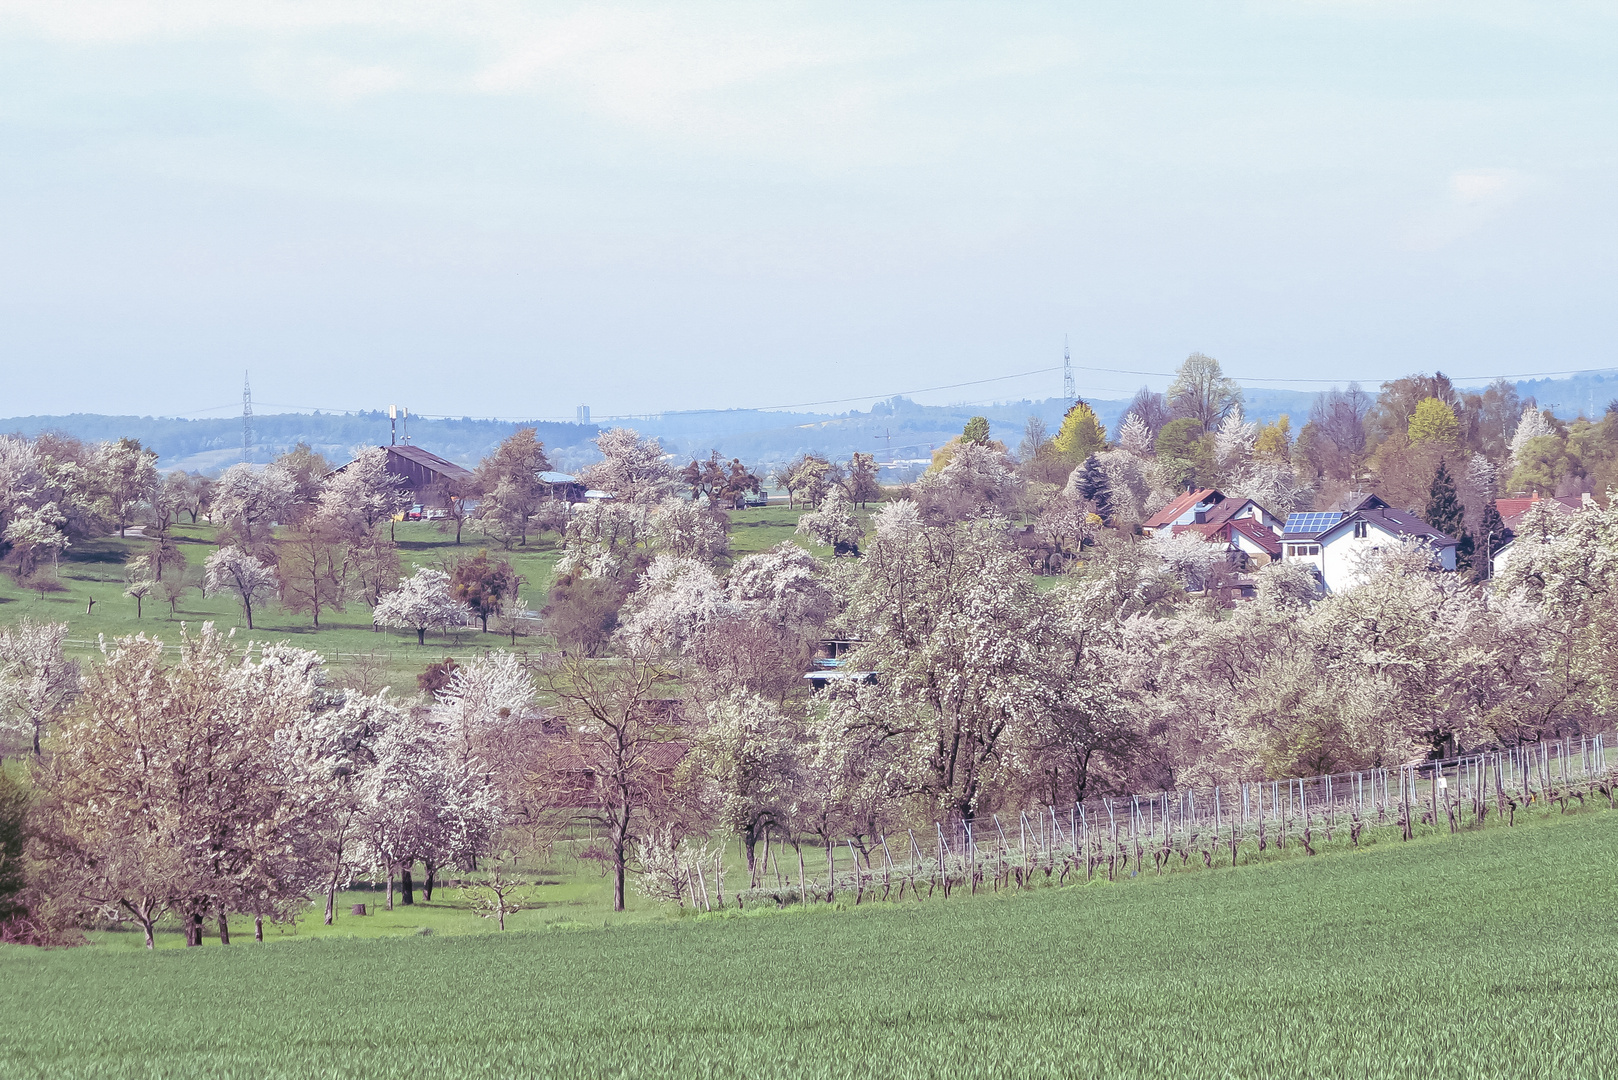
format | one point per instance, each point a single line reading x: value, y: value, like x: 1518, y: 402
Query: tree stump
x: 357, y: 909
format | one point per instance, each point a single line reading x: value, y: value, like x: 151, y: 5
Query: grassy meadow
x: 1490, y: 953
x: 94, y: 570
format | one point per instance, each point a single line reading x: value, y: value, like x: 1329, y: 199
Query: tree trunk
x: 390, y: 886
x: 619, y: 847
x: 428, y: 882
x: 193, y: 930
x: 458, y: 530
x: 224, y: 928
x: 137, y: 607
x: 408, y: 884
x: 331, y: 900
x: 749, y: 849
x: 146, y: 925
x: 247, y: 606
x: 258, y: 928
x: 485, y: 619
x: 421, y: 635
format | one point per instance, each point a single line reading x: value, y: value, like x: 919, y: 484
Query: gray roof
x: 1400, y: 523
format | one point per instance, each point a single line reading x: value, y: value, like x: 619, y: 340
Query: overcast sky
x: 493, y: 208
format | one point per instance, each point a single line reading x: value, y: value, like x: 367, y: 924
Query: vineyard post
x: 695, y: 872
x: 719, y: 874
x: 803, y: 892
x: 971, y: 856
x: 887, y: 871
x: 1404, y: 803
x: 1258, y: 814
x: 831, y: 870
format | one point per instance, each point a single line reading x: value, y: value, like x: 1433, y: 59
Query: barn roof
x: 429, y: 462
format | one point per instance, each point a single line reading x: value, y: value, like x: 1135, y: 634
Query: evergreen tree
x: 1467, y: 554
x: 976, y: 431
x: 1444, y: 510
x: 1092, y: 484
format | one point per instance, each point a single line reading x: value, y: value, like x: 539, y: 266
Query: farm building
x: 427, y: 476
x: 561, y: 486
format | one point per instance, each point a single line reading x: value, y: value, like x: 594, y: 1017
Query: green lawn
x: 762, y: 528
x: 1486, y: 954
x: 95, y: 569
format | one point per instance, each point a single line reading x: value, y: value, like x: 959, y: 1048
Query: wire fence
x: 1212, y: 826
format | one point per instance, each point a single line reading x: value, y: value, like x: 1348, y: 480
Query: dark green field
x: 1488, y: 954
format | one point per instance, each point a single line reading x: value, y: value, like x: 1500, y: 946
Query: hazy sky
x: 504, y: 209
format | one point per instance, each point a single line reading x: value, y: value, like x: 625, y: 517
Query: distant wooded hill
x: 898, y: 427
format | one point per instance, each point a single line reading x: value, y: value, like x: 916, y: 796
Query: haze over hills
x: 896, y: 429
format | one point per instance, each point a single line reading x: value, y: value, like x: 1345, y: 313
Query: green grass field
x: 94, y: 569
x: 1487, y: 954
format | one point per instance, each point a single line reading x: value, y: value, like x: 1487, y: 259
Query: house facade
x: 1336, y: 543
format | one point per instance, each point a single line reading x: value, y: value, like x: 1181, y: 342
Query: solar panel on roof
x: 1312, y: 521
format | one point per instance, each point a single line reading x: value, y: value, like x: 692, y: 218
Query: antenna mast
x: 1069, y: 390
x: 247, y: 418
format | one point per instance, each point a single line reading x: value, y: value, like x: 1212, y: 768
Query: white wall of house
x: 1246, y: 544
x: 1501, y: 559
x: 1262, y: 516
x: 1341, y: 554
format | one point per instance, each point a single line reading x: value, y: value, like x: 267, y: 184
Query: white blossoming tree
x: 422, y: 602
x: 834, y: 524
x: 363, y: 494
x: 36, y: 680
x: 246, y: 498
x: 631, y: 468
x: 232, y: 570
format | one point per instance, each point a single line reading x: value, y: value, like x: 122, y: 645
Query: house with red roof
x: 1512, y: 510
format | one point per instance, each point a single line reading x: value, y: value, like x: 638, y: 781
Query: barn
x: 427, y: 476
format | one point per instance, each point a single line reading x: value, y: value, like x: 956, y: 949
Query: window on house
x: 1360, y: 530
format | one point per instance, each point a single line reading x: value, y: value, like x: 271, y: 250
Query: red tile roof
x: 1512, y: 510
x: 1258, y: 533
x: 1179, y: 506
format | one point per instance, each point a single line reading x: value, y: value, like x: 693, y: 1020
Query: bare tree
x: 1202, y: 392
x: 618, y: 758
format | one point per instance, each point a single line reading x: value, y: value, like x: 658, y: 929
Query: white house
x: 1501, y: 557
x: 1209, y: 507
x: 1335, y: 542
